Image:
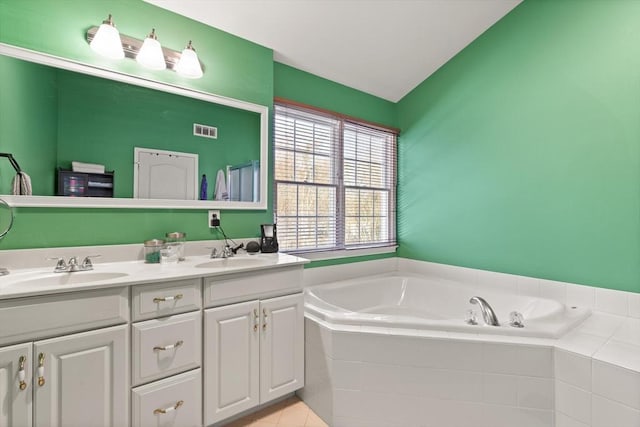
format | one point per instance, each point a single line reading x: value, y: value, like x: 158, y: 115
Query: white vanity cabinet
x: 254, y: 350
x: 167, y: 354
x: 77, y: 379
x: 85, y: 379
x: 74, y: 380
x: 15, y: 385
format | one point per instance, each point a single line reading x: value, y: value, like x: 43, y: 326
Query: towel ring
x: 4, y: 208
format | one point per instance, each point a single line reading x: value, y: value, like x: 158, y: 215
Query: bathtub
x: 417, y: 302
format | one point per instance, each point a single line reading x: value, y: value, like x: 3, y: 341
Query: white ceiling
x: 382, y: 47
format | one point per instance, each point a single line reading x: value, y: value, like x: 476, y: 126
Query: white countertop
x: 39, y: 281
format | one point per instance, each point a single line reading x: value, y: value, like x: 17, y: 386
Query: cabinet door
x: 15, y: 400
x: 281, y: 346
x: 86, y: 378
x: 231, y: 360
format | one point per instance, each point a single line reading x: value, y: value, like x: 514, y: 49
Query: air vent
x: 205, y: 131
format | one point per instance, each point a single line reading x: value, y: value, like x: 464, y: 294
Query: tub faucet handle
x: 471, y: 318
x: 516, y: 319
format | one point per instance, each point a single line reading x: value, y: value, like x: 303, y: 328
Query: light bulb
x: 107, y: 41
x: 150, y: 54
x: 188, y: 65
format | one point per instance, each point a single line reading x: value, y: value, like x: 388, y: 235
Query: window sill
x: 344, y: 253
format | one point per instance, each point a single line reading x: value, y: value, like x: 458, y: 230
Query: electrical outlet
x: 214, y: 219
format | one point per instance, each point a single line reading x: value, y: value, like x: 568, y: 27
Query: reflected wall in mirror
x: 50, y: 117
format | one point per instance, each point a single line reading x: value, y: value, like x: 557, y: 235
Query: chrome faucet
x: 488, y: 314
x: 226, y: 252
x: 72, y: 265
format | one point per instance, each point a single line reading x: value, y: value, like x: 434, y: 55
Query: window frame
x: 341, y: 249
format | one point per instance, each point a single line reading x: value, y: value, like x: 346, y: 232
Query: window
x: 335, y: 181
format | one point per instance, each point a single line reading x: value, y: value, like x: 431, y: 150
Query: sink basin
x: 61, y: 279
x: 233, y: 262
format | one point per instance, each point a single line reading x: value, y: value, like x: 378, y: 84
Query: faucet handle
x: 214, y: 252
x: 86, y: 262
x: 60, y: 266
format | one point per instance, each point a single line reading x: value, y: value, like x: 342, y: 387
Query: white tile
x: 509, y: 416
x: 601, y: 324
x: 629, y: 332
x: 497, y: 282
x: 500, y: 389
x: 563, y: 420
x: 528, y: 286
x: 634, y: 304
x: 500, y: 358
x: 348, y: 345
x: 346, y: 375
x: 581, y: 343
x: 616, y: 383
x: 392, y: 409
x: 514, y: 359
x: 535, y: 361
x: 450, y: 354
x: 553, y: 290
x: 580, y: 296
x: 348, y: 403
x: 607, y: 413
x: 535, y: 393
x: 395, y: 379
x: 612, y: 302
x: 450, y: 413
x: 452, y: 385
x: 620, y: 354
x: 573, y: 402
x: 573, y: 369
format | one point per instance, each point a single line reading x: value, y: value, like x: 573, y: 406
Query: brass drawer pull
x: 21, y: 373
x: 256, y: 319
x: 163, y: 299
x: 41, y: 369
x: 178, y: 404
x: 168, y: 347
x: 264, y: 316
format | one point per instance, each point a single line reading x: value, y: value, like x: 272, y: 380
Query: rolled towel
x: 21, y: 185
x: 221, y: 187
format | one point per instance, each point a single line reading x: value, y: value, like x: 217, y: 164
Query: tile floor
x: 291, y: 412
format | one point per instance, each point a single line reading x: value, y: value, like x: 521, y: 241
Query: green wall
x: 522, y: 153
x: 28, y: 123
x: 297, y: 85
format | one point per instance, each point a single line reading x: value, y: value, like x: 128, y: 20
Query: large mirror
x: 60, y: 120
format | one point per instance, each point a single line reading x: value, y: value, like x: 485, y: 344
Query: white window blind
x: 335, y: 182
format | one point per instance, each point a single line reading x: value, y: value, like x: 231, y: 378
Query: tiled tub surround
x: 364, y: 376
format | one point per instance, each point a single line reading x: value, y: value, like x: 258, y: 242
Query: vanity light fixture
x: 189, y: 65
x: 107, y: 40
x: 148, y: 53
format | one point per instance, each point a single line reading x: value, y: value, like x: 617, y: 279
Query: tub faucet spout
x: 488, y: 314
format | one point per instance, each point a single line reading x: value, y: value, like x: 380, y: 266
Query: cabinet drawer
x: 165, y: 346
x: 221, y: 290
x: 163, y: 299
x: 174, y: 401
x: 22, y: 319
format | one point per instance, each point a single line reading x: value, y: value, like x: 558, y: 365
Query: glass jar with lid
x: 152, y: 250
x: 176, y: 240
